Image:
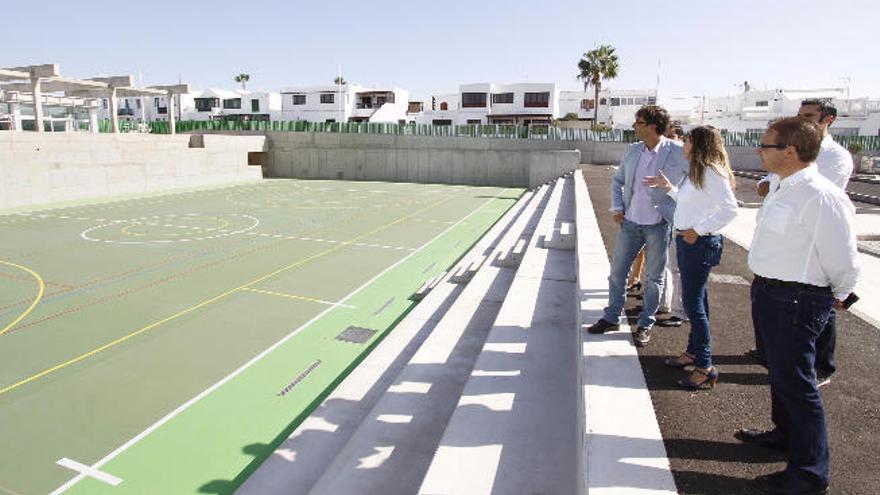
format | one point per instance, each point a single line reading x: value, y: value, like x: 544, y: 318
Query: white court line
x: 89, y: 471
x: 186, y: 405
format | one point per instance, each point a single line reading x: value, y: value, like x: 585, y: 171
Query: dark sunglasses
x: 773, y: 146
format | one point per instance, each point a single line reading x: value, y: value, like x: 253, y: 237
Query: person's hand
x: 618, y: 217
x: 838, y: 305
x: 690, y: 236
x: 763, y: 188
x: 660, y: 181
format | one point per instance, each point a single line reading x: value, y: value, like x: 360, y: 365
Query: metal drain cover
x: 356, y: 335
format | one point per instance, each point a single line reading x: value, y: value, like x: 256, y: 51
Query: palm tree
x: 598, y: 64
x: 339, y: 80
x: 243, y: 79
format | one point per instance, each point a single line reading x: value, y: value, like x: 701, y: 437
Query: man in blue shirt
x: 645, y: 218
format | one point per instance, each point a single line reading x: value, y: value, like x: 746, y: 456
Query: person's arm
x: 838, y: 167
x: 617, y: 184
x: 763, y: 186
x: 832, y: 221
x: 719, y: 189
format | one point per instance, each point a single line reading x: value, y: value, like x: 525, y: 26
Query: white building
x: 752, y: 110
x: 617, y: 108
x: 344, y: 103
x: 488, y: 103
x: 219, y: 104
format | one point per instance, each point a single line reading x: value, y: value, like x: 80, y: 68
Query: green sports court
x: 166, y: 344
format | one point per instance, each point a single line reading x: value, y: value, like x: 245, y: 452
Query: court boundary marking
x: 186, y: 405
x: 218, y: 297
x: 40, y: 291
x: 85, y: 233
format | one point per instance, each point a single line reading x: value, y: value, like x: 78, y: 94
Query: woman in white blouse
x: 704, y: 205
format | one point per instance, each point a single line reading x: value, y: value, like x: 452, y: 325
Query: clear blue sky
x: 706, y: 46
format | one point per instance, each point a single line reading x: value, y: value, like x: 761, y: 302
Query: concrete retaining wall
x: 450, y: 160
x: 38, y: 168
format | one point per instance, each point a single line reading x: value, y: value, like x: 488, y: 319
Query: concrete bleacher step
x: 518, y: 425
x: 509, y: 254
x: 513, y: 255
x: 427, y: 287
x: 562, y: 238
x: 619, y: 418
x: 297, y: 464
x: 393, y: 447
x: 466, y: 270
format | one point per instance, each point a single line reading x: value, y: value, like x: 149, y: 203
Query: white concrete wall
x: 41, y: 168
x: 418, y: 159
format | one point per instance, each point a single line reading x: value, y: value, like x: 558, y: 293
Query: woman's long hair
x: 707, y: 150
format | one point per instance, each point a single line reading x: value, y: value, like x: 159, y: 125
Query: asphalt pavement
x: 698, y: 427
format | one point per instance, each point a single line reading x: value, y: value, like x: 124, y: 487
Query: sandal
x: 680, y: 362
x: 700, y: 379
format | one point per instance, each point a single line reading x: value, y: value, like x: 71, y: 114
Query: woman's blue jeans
x: 695, y: 261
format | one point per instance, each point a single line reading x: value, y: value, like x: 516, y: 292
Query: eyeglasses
x: 773, y: 146
x: 639, y: 122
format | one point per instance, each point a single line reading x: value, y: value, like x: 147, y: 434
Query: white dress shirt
x: 708, y: 209
x: 834, y: 162
x: 806, y: 233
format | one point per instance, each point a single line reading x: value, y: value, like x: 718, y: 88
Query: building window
x: 233, y: 103
x: 615, y: 102
x: 474, y: 121
x: 330, y: 121
x: 415, y: 107
x: 441, y: 122
x: 443, y: 105
x: 537, y: 99
x: 299, y: 99
x: 104, y: 103
x: 162, y: 110
x: 206, y: 104
x: 327, y: 98
x: 255, y: 105
x: 502, y: 98
x: 156, y: 102
x: 473, y: 100
x: 588, y: 104
x: 652, y: 100
x: 762, y: 103
x: 603, y: 101
x: 138, y: 101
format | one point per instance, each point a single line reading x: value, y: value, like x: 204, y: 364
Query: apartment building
x: 617, y: 107
x: 752, y: 110
x: 345, y: 103
x: 488, y: 103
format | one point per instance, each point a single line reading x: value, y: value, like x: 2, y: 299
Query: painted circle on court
x: 171, y: 228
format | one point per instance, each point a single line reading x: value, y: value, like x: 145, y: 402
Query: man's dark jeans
x: 788, y: 320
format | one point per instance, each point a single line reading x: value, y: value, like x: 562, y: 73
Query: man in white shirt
x: 804, y: 258
x: 836, y: 164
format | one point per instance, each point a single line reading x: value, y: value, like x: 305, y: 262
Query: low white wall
x: 39, y: 168
x: 450, y: 160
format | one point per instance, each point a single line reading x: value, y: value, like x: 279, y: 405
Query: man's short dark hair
x: 654, y: 115
x: 826, y: 108
x: 801, y: 133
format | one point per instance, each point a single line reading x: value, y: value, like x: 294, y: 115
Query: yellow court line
x: 42, y: 289
x: 291, y: 296
x: 151, y: 326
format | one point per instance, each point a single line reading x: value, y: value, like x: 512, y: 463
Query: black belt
x: 681, y: 232
x: 792, y: 285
